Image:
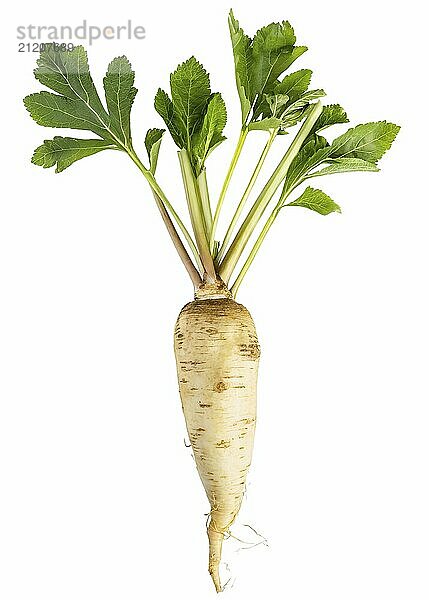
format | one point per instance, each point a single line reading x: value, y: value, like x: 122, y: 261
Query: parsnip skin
x: 217, y: 356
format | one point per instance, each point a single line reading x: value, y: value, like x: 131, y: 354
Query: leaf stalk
x: 196, y: 213
x: 161, y: 195
x: 203, y: 191
x: 239, y: 147
x: 246, y: 194
x: 261, y: 203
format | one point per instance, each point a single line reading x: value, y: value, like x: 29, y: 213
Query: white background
x: 100, y: 499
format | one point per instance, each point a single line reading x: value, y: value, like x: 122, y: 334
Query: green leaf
x: 345, y: 165
x: 152, y: 142
x: 241, y: 48
x: 210, y: 135
x: 194, y: 116
x: 51, y: 110
x: 68, y: 74
x: 266, y: 124
x: 368, y: 141
x: 77, y: 104
x: 277, y: 103
x: 190, y: 93
x: 120, y: 94
x: 260, y: 62
x: 164, y: 107
x: 272, y: 46
x: 314, y: 152
x: 305, y: 99
x: 290, y: 113
x: 64, y: 151
x: 294, y: 85
x: 274, y: 38
x: 332, y: 114
x: 316, y: 200
x: 273, y: 52
x: 290, y: 58
x: 356, y: 150
x: 291, y: 118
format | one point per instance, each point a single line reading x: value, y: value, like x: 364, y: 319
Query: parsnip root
x: 217, y: 355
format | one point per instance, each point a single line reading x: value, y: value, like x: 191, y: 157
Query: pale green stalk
x: 259, y: 241
x: 178, y: 244
x: 253, y: 253
x: 196, y: 214
x: 246, y: 195
x: 242, y: 138
x: 205, y: 201
x: 285, y: 193
x: 236, y: 249
x: 161, y: 195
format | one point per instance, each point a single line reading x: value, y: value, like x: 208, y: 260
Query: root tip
x: 215, y: 552
x: 214, y: 573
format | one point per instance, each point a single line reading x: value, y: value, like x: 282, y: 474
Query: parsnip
x: 217, y: 355
x: 216, y: 345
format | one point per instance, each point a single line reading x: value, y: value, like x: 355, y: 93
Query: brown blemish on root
x: 223, y: 444
x: 245, y: 421
x: 252, y: 350
x: 193, y: 363
x: 220, y: 387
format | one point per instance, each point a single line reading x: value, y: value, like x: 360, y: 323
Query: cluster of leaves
x: 194, y: 115
x: 358, y: 149
x: 266, y: 101
x: 77, y: 105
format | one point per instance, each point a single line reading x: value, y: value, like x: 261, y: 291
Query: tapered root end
x: 215, y: 553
